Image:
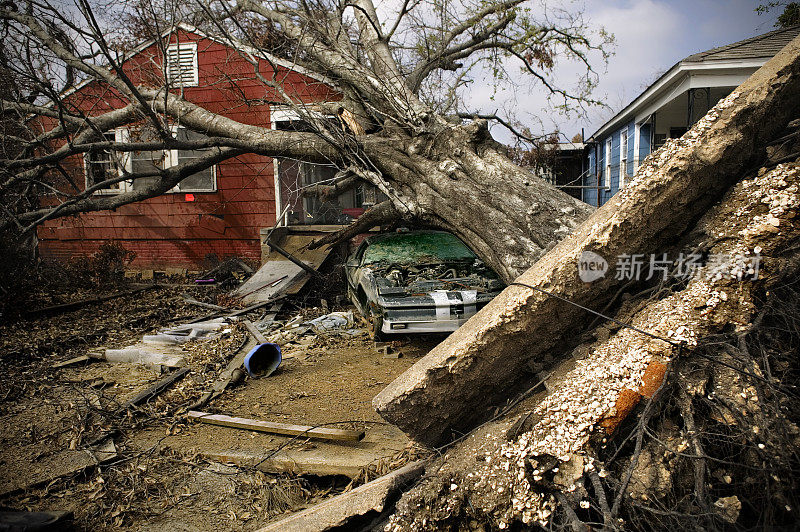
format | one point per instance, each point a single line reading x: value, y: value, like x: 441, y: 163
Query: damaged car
x: 418, y: 282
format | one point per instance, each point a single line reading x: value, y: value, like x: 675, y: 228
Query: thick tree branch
x: 380, y: 214
x: 87, y: 202
x: 324, y: 191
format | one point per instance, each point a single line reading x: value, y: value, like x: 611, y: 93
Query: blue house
x: 668, y: 108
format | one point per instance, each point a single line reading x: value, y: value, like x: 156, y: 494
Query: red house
x: 218, y: 211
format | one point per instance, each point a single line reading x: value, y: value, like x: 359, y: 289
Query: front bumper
x: 438, y: 311
x: 436, y: 326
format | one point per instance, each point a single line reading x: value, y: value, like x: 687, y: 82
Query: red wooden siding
x: 169, y: 230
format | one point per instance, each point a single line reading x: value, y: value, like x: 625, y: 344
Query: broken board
x: 339, y: 511
x: 286, y: 429
x: 278, y: 274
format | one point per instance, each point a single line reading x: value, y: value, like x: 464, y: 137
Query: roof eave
x: 672, y: 75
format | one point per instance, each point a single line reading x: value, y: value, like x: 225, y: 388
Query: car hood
x: 395, y: 280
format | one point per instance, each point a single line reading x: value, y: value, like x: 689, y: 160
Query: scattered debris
x: 287, y: 264
x: 231, y: 270
x: 186, y: 332
x: 332, y: 322
x: 142, y: 355
x: 234, y: 371
x: 67, y: 307
x: 388, y: 351
x: 256, y: 306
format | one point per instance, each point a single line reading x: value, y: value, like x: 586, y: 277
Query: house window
x: 623, y: 157
x: 606, y: 182
x: 202, y: 181
x: 153, y: 161
x: 182, y: 64
x: 293, y: 176
x: 103, y: 164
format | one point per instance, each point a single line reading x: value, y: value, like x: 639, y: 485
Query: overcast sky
x: 651, y: 36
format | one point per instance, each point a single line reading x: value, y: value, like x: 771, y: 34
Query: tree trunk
x: 460, y: 180
x: 454, y: 387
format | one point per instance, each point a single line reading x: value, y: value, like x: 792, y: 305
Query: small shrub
x: 106, y: 266
x: 18, y: 274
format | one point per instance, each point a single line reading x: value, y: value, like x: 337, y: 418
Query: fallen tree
x: 715, y: 431
x: 398, y: 122
x: 498, y: 351
x: 680, y: 411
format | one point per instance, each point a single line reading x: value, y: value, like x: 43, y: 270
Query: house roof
x: 766, y: 45
x: 748, y: 53
x: 232, y: 43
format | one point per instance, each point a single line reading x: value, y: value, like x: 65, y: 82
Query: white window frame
x: 171, y: 159
x: 623, y: 157
x: 637, y: 132
x: 282, y: 113
x: 606, y: 183
x: 175, y: 50
x: 123, y: 163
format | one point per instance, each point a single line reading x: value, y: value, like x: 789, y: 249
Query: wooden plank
x: 322, y: 433
x: 371, y: 498
x: 256, y: 306
x: 155, y: 389
x: 255, y: 333
x: 197, y: 303
x: 71, y: 361
x: 233, y: 373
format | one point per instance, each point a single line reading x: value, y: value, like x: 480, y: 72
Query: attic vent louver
x: 182, y: 64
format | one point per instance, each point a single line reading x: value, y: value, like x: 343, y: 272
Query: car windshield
x: 417, y: 248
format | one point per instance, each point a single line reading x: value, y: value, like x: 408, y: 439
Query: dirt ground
x: 158, y: 470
